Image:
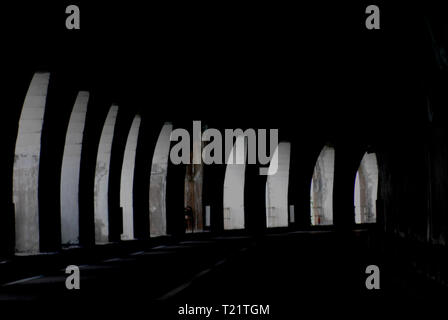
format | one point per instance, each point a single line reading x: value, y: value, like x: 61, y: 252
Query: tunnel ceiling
x: 307, y: 67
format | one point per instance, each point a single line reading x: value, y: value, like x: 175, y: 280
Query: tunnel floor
x: 292, y: 272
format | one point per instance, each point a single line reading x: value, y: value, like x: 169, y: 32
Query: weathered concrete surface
x: 157, y: 186
x: 102, y: 178
x: 127, y: 180
x: 322, y: 188
x: 71, y: 163
x: 366, y: 189
x: 277, y: 189
x: 234, y: 187
x: 26, y: 166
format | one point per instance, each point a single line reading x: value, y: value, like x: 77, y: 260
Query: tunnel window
x: 157, y: 189
x: 321, y: 194
x: 127, y: 180
x: 277, y: 189
x: 71, y: 162
x: 193, y: 197
x: 26, y: 165
x: 366, y: 188
x: 234, y: 186
x: 102, y: 178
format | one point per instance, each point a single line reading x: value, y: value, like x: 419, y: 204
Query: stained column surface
x: 277, y: 188
x: 157, y: 189
x: 127, y: 180
x: 366, y: 189
x: 71, y: 162
x: 26, y: 165
x: 102, y: 178
x: 234, y: 186
x: 322, y: 188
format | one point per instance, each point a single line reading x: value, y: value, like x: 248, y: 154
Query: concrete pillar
x: 127, y: 180
x: 157, y: 184
x: 322, y: 188
x: 71, y: 163
x: 193, y: 194
x: 277, y: 189
x: 234, y: 187
x: 366, y: 189
x: 101, y: 189
x: 26, y: 166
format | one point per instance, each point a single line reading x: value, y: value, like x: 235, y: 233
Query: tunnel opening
x: 194, y: 215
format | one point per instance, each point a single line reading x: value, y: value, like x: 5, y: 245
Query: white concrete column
x: 277, y: 189
x: 127, y: 180
x: 234, y: 187
x: 71, y: 163
x: 102, y: 178
x: 357, y: 199
x: 366, y: 189
x: 157, y: 187
x: 26, y: 166
x: 322, y: 188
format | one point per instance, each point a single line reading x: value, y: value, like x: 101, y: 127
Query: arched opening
x: 193, y: 197
x: 26, y: 165
x: 157, y: 185
x: 102, y: 178
x: 277, y: 189
x: 71, y: 163
x: 127, y: 180
x: 321, y: 194
x: 234, y: 185
x: 366, y: 189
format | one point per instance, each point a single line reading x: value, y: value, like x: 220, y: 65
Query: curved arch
x: 157, y: 185
x: 26, y: 165
x: 234, y: 186
x: 277, y: 189
x: 366, y: 189
x: 127, y: 180
x: 102, y: 177
x: 321, y: 192
x: 71, y: 163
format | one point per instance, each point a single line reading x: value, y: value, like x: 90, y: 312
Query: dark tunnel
x: 361, y: 162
